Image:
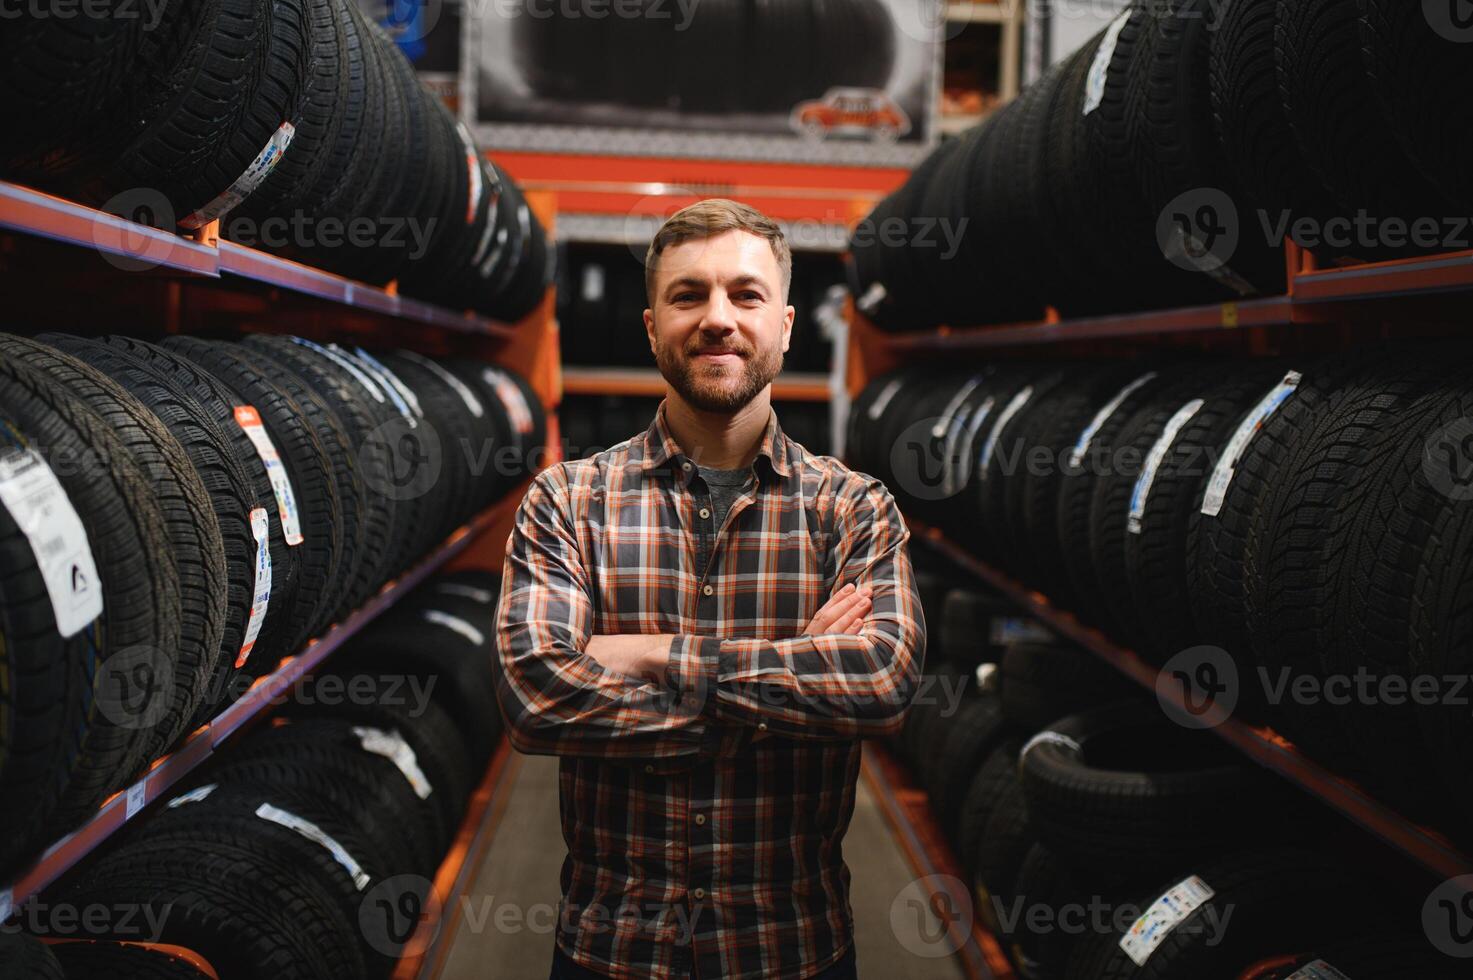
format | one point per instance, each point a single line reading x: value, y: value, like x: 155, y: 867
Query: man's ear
x: 649, y: 328
x: 788, y: 315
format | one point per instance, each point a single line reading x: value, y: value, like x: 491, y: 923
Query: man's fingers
x: 833, y: 611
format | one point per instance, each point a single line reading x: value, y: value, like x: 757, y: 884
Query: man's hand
x: 843, y: 613
x: 644, y: 656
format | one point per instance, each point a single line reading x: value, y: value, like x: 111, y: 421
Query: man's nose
x: 720, y: 317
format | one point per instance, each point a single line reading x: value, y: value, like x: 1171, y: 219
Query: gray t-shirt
x: 726, y: 486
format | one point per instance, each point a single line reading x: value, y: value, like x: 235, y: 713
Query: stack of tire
x: 1166, y: 161
x: 1122, y: 843
x: 308, y: 849
x: 177, y: 518
x: 1308, y: 518
x: 298, y: 123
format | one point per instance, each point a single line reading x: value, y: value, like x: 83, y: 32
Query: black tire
x: 189, y: 139
x: 1286, y: 565
x: 1043, y: 682
x: 1374, y: 544
x: 1080, y: 481
x: 965, y: 629
x: 244, y: 375
x: 319, y: 114
x: 459, y: 668
x: 1216, y: 543
x: 195, y: 545
x: 425, y: 727
x: 309, y: 757
x: 1258, y: 143
x: 1180, y: 155
x: 446, y: 412
x: 1110, y: 507
x: 24, y: 956
x: 1333, y: 105
x: 343, y: 866
x: 971, y: 736
x: 1123, y: 789
x: 1054, y: 426
x: 309, y: 471
x: 998, y: 770
x: 1084, y: 282
x: 217, y: 895
x: 1007, y: 837
x: 218, y: 402
x: 1156, y: 555
x: 1263, y: 902
x: 352, y: 401
x: 1407, y: 58
x: 120, y: 961
x: 60, y: 73
x: 128, y: 539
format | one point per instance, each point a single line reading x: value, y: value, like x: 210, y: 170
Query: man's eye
x: 685, y: 297
x: 750, y: 296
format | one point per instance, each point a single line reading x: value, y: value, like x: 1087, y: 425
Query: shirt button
x: 685, y: 466
x: 700, y: 819
x: 707, y: 590
x: 699, y: 893
x: 649, y: 768
x: 762, y: 726
x: 705, y: 512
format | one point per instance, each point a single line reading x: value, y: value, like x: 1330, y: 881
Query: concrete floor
x: 510, y: 908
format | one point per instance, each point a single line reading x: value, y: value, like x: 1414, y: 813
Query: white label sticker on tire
x: 281, y: 485
x: 1081, y: 448
x: 1318, y: 970
x: 455, y: 623
x: 391, y: 746
x: 261, y: 597
x: 1099, y: 69
x: 42, y: 511
x: 1014, y: 407
x: 882, y: 400
x: 1142, y: 490
x: 511, y: 396
x: 1222, y: 473
x: 193, y: 796
x: 316, y: 835
x: 483, y: 596
x: 1164, y: 915
x: 403, y: 396
x: 472, y: 403
x: 347, y: 365
x: 246, y: 183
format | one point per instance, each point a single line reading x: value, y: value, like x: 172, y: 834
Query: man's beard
x: 714, y: 391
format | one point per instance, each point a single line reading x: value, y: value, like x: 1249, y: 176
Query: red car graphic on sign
x: 851, y: 112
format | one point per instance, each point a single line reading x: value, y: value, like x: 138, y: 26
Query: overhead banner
x: 824, y: 81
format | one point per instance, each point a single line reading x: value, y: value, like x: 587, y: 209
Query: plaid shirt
x: 694, y: 849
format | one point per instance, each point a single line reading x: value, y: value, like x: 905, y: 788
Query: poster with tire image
x: 824, y: 81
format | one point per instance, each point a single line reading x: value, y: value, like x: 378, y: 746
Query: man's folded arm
x: 829, y: 686
x: 556, y: 699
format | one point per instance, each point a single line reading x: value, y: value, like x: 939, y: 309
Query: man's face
x: 719, y: 325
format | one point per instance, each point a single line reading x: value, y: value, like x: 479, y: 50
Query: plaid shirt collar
x: 659, y: 447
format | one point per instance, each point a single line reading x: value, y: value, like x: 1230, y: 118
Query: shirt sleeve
x: 832, y: 686
x: 555, y: 698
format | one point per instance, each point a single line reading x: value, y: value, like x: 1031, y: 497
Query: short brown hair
x: 707, y: 219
